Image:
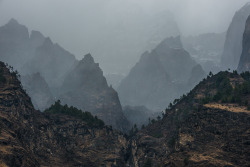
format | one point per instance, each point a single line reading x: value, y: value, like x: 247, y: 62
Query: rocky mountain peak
x: 171, y: 42
x: 47, y: 42
x: 14, y: 30
x: 13, y: 22
x: 88, y: 59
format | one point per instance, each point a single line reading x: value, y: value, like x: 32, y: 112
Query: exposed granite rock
x: 86, y: 88
x: 244, y: 64
x: 233, y: 44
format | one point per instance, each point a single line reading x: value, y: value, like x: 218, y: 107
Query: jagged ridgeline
x: 49, y: 72
x: 63, y: 136
x: 191, y: 133
x: 160, y: 76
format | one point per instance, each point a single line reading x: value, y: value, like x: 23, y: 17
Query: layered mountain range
x: 201, y: 129
x: 30, y: 138
x: 165, y: 73
x: 86, y: 88
x: 49, y: 72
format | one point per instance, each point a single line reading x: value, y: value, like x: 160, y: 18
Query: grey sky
x: 79, y: 24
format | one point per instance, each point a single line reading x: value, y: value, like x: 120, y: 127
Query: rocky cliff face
x: 86, y: 88
x: 31, y: 138
x: 233, y: 44
x: 160, y: 76
x: 38, y: 89
x: 244, y: 64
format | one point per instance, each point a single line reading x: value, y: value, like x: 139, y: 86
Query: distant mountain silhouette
x: 244, y: 64
x: 160, y: 76
x: 233, y: 44
x: 49, y: 72
x: 86, y: 88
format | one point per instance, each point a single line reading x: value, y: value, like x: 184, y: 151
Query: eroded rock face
x: 86, y: 88
x: 244, y: 64
x: 160, y: 76
x: 30, y: 138
x: 233, y: 44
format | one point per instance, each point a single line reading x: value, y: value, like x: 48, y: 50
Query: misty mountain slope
x: 132, y: 34
x: 30, y: 138
x: 207, y: 127
x: 139, y: 115
x: 34, y: 53
x: 86, y: 88
x: 16, y: 45
x: 52, y: 61
x: 38, y: 89
x: 206, y: 49
x: 244, y: 64
x: 160, y: 76
x: 233, y: 44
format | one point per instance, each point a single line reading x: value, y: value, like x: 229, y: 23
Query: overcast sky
x: 77, y: 25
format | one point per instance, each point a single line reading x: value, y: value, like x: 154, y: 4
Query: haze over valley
x: 125, y: 83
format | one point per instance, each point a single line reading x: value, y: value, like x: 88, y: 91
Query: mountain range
x: 161, y: 75
x: 49, y: 72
